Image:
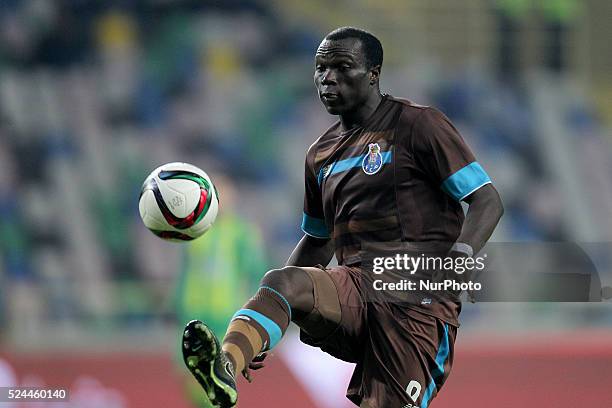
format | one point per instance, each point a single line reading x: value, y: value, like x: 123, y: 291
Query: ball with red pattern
x: 178, y: 202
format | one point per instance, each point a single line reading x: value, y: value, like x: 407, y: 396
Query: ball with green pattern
x: 178, y: 202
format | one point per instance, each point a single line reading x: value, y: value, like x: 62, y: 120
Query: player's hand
x: 256, y: 364
x: 464, y: 276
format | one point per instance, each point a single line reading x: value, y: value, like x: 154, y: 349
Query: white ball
x: 178, y: 202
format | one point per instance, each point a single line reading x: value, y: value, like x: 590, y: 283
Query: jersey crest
x: 373, y: 160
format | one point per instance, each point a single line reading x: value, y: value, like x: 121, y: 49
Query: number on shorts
x: 413, y: 390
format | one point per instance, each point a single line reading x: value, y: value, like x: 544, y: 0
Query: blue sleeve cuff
x: 465, y: 181
x: 315, y: 227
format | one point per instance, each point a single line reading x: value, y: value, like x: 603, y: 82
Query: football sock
x: 257, y: 327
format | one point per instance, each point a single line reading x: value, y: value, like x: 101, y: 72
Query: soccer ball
x: 178, y: 202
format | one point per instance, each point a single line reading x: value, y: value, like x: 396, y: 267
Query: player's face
x: 341, y: 75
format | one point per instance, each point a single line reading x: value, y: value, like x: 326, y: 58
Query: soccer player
x: 387, y: 171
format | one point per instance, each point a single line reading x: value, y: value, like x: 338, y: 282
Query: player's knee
x: 293, y: 283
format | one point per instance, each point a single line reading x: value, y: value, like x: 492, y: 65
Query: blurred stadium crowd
x: 94, y: 95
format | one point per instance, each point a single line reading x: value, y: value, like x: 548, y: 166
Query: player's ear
x: 374, y: 74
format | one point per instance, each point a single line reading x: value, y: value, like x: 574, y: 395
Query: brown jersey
x: 398, y: 178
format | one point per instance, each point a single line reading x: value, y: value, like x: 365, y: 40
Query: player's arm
x: 311, y: 251
x: 316, y: 246
x: 484, y: 212
x: 446, y: 158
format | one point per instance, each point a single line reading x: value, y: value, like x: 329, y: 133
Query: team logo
x: 373, y: 160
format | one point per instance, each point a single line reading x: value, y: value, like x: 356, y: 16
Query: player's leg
x: 409, y: 358
x: 336, y: 322
x: 325, y: 313
x: 258, y: 326
x: 284, y: 294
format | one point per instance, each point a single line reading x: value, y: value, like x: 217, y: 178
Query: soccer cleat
x: 207, y: 362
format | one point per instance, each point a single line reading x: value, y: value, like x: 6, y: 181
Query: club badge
x: 373, y: 160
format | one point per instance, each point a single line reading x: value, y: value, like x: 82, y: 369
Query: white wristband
x: 463, y: 248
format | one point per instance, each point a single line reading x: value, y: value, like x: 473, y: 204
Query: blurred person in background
x: 381, y: 148
x: 219, y: 270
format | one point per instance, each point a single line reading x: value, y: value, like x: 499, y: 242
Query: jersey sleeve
x: 444, y: 156
x: 313, y: 221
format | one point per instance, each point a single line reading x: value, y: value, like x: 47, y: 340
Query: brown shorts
x: 403, y: 356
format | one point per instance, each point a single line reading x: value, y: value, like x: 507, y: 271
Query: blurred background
x: 94, y: 95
